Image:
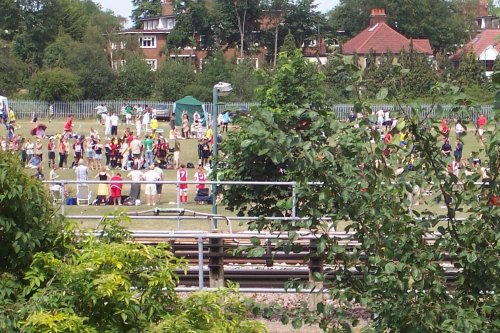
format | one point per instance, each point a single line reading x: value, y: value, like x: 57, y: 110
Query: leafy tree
x: 143, y: 9
x: 56, y: 53
x: 193, y: 26
x: 11, y: 70
x: 223, y: 312
x: 26, y: 221
x: 174, y: 76
x: 244, y: 80
x: 215, y: 69
x: 302, y: 21
x: 55, y: 85
x: 470, y: 71
x: 9, y: 18
x: 340, y: 73
x: 341, y: 173
x: 135, y: 79
x: 290, y: 103
x: 88, y: 60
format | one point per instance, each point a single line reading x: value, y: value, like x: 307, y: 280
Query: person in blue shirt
x: 225, y: 120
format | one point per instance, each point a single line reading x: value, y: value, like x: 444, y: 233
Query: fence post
x: 315, y: 266
x: 216, y: 262
x: 200, y: 264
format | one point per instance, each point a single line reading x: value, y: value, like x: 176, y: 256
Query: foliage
x: 27, y: 223
x: 192, y: 18
x: 216, y: 69
x: 339, y: 74
x: 341, y: 173
x: 11, y: 69
x: 302, y: 20
x: 221, y: 312
x: 173, y: 78
x: 470, y: 71
x: 275, y: 135
x: 88, y: 60
x: 244, y: 80
x: 135, y: 79
x: 55, y: 85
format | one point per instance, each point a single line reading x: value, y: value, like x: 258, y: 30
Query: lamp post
x: 220, y: 89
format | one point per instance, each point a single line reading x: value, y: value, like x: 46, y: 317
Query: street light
x: 220, y: 89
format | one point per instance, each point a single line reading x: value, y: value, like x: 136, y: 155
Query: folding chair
x: 83, y: 195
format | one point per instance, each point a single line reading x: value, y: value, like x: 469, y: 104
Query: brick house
x: 379, y: 38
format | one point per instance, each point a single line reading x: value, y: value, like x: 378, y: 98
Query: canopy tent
x: 188, y: 105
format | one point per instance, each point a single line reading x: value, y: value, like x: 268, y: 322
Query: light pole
x: 220, y: 89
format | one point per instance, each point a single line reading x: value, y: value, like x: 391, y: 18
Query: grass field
x: 168, y: 199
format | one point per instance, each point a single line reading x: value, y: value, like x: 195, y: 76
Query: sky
x: 124, y: 7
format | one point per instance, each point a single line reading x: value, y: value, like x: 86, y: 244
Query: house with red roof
x: 379, y: 39
x: 486, y: 48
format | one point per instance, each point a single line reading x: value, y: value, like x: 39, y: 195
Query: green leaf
x: 390, y: 268
x: 382, y: 93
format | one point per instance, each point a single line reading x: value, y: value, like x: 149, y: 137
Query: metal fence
x: 24, y: 109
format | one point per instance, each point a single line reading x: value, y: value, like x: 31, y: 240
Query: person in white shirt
x: 459, y: 129
x: 114, y: 124
x: 151, y: 176
x: 135, y: 188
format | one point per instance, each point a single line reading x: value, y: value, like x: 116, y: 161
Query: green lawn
x: 168, y: 200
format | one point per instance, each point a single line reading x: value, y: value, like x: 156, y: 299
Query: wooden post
x: 315, y: 265
x: 216, y: 262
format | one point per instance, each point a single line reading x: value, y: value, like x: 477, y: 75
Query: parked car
x: 162, y: 112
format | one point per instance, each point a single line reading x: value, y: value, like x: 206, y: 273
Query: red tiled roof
x: 380, y: 39
x: 480, y: 43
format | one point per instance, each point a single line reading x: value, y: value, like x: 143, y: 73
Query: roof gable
x: 485, y: 39
x: 380, y: 39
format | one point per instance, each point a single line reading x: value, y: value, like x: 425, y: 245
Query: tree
x: 89, y: 61
x: 193, y: 26
x: 135, y: 79
x: 303, y: 21
x: 143, y: 9
x: 174, y: 78
x: 470, y: 71
x: 291, y: 102
x: 244, y: 80
x: 55, y: 85
x: 341, y: 172
x: 26, y: 220
x: 11, y: 70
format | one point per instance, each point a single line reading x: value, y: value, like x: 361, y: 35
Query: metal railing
x: 86, y: 109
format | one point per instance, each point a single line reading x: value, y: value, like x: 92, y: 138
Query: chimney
x: 378, y: 16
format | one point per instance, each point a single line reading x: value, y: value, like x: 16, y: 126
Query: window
x: 123, y: 45
x: 114, y: 64
x: 170, y: 23
x: 253, y: 61
x: 151, y: 25
x: 147, y: 42
x: 152, y: 63
x: 123, y: 62
x: 113, y: 45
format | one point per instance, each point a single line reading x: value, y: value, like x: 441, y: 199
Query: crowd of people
x: 142, y: 154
